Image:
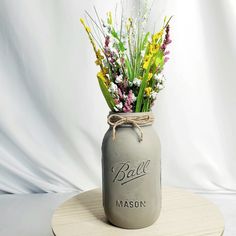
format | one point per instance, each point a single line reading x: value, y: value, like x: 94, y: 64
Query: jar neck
x: 131, y: 118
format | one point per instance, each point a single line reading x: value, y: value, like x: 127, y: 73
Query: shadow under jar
x: 131, y: 172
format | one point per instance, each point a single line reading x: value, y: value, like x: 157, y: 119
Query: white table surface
x: 30, y: 214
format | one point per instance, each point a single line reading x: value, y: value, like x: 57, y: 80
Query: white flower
x: 119, y: 79
x: 104, y: 61
x: 160, y: 81
x: 160, y: 86
x: 113, y: 88
x: 119, y: 63
x: 125, y: 97
x: 107, y: 29
x: 137, y: 82
x: 142, y: 53
x: 159, y: 78
x: 119, y: 106
x: 133, y: 97
x: 153, y: 95
x: 115, y: 40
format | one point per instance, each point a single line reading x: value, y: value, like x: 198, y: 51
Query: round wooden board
x: 182, y: 214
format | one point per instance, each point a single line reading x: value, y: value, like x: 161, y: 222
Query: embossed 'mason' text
x: 130, y: 204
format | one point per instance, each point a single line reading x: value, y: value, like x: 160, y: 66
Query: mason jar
x: 131, y: 171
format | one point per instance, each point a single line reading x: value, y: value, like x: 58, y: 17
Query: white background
x: 53, y: 116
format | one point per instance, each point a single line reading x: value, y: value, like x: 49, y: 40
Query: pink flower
x: 129, y: 102
x: 117, y: 101
x: 166, y: 53
x: 166, y: 59
x: 120, y: 93
x: 126, y: 109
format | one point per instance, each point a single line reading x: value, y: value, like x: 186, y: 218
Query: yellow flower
x: 146, y: 62
x: 97, y: 52
x: 100, y: 57
x: 148, y: 91
x: 82, y: 21
x: 109, y: 19
x: 149, y: 76
x: 102, y: 77
x: 85, y: 26
x: 89, y: 34
x: 105, y: 70
x: 129, y: 24
x: 98, y: 62
x: 153, y: 48
x: 158, y: 35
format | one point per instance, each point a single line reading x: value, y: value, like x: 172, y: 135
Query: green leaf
x: 145, y: 104
x: 159, y: 57
x: 130, y: 71
x: 106, y: 94
x: 159, y: 60
x: 142, y: 89
x: 120, y: 44
x: 114, y: 34
x: 145, y: 40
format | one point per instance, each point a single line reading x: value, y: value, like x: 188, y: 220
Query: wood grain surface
x: 182, y: 214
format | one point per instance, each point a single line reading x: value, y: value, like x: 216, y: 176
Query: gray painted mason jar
x: 131, y: 172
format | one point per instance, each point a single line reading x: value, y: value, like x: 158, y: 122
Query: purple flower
x: 112, y: 60
x: 167, y: 39
x: 127, y: 109
x: 166, y: 59
x: 120, y: 93
x: 107, y: 41
x: 166, y: 53
x: 129, y: 102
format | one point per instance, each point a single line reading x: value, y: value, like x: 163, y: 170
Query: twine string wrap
x: 137, y: 121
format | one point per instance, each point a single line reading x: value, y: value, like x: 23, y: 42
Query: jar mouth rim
x: 150, y: 113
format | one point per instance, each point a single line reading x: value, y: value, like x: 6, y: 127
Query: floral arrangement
x: 131, y: 60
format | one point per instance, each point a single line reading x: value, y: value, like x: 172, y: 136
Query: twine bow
x: 116, y: 120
